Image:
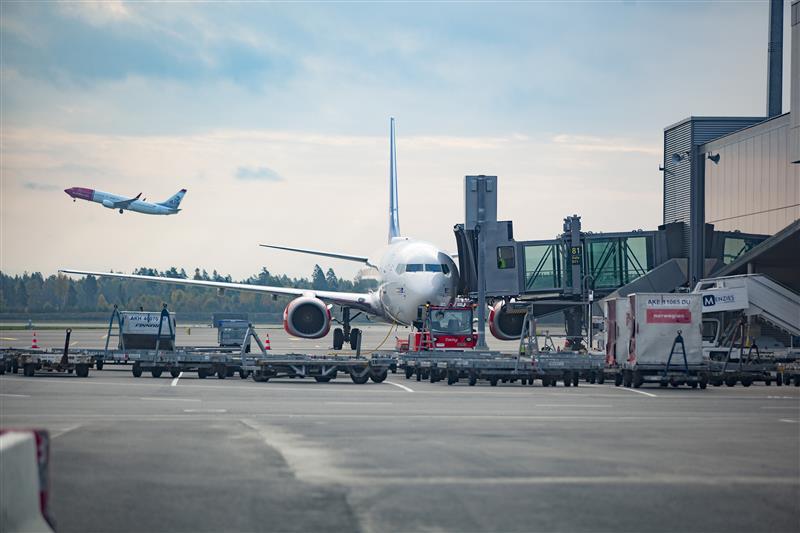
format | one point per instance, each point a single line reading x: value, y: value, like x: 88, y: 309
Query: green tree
x: 318, y: 280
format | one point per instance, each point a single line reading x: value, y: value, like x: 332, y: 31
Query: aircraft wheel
x: 355, y: 335
x: 338, y: 339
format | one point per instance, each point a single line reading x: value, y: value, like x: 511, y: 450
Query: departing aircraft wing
x: 346, y: 257
x: 124, y: 204
x: 356, y: 300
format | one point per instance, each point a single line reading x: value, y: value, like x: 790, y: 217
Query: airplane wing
x: 124, y: 204
x: 317, y: 252
x: 356, y: 300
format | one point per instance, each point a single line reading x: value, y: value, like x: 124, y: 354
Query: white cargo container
x: 139, y: 330
x: 655, y: 320
x: 616, y: 312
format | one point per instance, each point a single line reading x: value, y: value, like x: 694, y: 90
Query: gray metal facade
x: 754, y: 188
x: 794, y: 132
x: 683, y: 181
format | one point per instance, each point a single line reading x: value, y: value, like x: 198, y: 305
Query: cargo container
x: 666, y: 343
x: 139, y: 330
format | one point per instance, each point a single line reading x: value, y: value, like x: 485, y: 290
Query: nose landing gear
x: 346, y: 333
x: 120, y: 211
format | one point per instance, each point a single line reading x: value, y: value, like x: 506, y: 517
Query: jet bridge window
x: 505, y: 257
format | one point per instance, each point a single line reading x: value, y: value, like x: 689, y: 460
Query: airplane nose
x: 70, y: 192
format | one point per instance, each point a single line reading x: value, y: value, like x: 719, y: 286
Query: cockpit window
x: 414, y: 267
x: 432, y: 267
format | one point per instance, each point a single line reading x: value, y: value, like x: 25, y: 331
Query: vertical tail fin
x: 175, y: 200
x: 394, y: 214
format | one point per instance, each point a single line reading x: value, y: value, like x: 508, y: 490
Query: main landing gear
x: 120, y: 211
x: 345, y: 333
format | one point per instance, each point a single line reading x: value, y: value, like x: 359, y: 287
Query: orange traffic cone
x: 34, y: 344
x: 266, y: 342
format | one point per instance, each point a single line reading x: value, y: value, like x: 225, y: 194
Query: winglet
x: 394, y: 213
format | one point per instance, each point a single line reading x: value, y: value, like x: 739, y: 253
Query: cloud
x: 38, y: 186
x: 257, y: 174
x: 586, y: 143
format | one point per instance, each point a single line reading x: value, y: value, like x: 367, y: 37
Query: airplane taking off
x: 410, y: 273
x: 114, y: 201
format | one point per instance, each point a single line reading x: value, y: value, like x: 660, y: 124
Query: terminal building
x: 739, y: 175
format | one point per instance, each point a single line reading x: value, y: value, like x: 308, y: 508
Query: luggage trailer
x: 46, y: 360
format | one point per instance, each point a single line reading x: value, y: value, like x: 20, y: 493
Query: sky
x: 275, y: 117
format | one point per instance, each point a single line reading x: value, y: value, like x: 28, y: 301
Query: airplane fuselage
x: 110, y: 201
x: 412, y: 273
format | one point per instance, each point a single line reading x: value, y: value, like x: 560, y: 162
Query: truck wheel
x: 98, y: 364
x: 82, y: 371
x: 244, y: 374
x: 378, y: 376
x: 433, y: 375
x: 174, y: 372
x: 202, y: 373
x: 28, y: 370
x: 452, y: 377
x: 137, y: 370
x: 767, y: 382
x: 716, y: 382
x: 693, y: 384
x: 338, y: 339
x: 409, y: 372
x: 797, y: 381
x: 359, y: 380
x: 230, y: 372
x: 617, y: 379
x: 576, y: 378
x: 419, y: 375
x: 779, y: 380
x: 638, y: 379
x: 322, y: 379
x: 259, y: 376
x: 730, y: 381
x: 627, y: 378
x: 493, y: 382
x: 222, y: 373
x: 156, y: 372
x: 473, y: 379
x: 2, y: 369
x: 747, y: 381
x: 601, y: 377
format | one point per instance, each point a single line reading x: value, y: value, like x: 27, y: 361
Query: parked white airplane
x: 410, y: 273
x: 114, y: 201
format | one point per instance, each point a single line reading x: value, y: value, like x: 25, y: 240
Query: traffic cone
x: 34, y: 344
x: 266, y: 342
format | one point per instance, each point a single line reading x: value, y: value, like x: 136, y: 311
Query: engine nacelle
x: 307, y: 317
x: 108, y: 203
x: 505, y: 325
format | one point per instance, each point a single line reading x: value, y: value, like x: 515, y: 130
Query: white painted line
x: 360, y: 404
x: 205, y: 410
x: 788, y: 421
x: 56, y: 434
x: 581, y: 406
x: 175, y: 381
x: 407, y: 389
x: 636, y: 390
x: 15, y: 395
x: 172, y: 399
x: 792, y: 407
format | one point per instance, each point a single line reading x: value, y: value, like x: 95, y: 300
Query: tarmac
x: 145, y: 454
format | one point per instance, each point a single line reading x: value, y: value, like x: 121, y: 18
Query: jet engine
x: 108, y: 203
x: 504, y: 324
x: 307, y: 317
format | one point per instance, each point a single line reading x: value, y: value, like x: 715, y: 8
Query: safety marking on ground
x: 7, y: 339
x: 581, y: 406
x: 172, y: 399
x: 792, y: 407
x: 56, y: 434
x: 175, y: 381
x: 637, y: 391
x: 360, y: 404
x: 205, y: 410
x: 788, y: 421
x: 650, y: 479
x: 407, y: 389
x: 15, y: 395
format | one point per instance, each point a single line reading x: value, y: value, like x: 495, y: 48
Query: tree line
x: 33, y: 293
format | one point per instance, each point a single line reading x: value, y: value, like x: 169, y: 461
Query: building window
x: 505, y: 257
